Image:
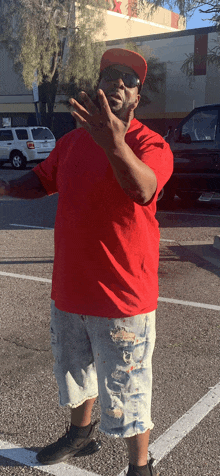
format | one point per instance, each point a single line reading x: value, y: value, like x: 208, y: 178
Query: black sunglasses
x: 130, y: 80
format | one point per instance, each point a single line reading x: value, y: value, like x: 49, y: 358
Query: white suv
x: 19, y: 145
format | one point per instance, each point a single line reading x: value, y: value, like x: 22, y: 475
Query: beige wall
x: 161, y: 16
x: 121, y: 21
x: 14, y: 97
x: 10, y: 81
x: 121, y: 25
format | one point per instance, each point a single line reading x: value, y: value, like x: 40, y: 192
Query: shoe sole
x: 93, y: 447
x: 90, y: 449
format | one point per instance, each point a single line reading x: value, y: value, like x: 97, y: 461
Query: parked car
x: 19, y: 145
x: 195, y: 144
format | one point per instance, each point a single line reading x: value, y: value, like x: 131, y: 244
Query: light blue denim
x: 109, y: 358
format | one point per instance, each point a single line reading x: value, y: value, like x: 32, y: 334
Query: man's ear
x: 137, y: 100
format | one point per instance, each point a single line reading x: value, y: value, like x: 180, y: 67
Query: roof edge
x: 159, y: 36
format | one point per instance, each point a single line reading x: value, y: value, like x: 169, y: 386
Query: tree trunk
x: 47, y: 96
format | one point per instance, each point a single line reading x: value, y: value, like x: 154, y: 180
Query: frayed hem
x: 76, y: 405
x: 135, y: 433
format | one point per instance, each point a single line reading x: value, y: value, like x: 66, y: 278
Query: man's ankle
x: 81, y: 426
x: 136, y: 470
x: 81, y: 431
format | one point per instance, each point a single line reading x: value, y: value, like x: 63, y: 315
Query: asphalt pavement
x: 186, y: 389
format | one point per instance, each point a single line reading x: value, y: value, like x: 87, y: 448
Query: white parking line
x: 190, y: 303
x: 32, y: 226
x: 162, y: 239
x: 166, y: 442
x: 24, y: 276
x: 28, y: 458
x: 159, y: 448
x: 161, y: 299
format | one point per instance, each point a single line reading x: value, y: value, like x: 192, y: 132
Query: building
x: 125, y: 19
x: 122, y: 20
x: 177, y: 96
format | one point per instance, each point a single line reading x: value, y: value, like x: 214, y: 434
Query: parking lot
x: 186, y: 388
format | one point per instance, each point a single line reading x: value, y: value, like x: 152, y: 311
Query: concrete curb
x: 216, y: 243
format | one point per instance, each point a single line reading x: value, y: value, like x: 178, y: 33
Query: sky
x: 197, y: 22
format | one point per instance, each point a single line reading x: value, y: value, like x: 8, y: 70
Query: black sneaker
x: 133, y: 471
x: 71, y: 444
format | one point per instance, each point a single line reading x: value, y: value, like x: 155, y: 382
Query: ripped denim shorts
x: 109, y: 358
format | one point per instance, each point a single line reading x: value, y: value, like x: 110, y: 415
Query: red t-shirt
x: 106, y: 245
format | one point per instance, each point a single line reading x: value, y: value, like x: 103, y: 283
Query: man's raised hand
x: 106, y: 129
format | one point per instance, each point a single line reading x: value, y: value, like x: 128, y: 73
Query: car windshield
x: 41, y: 133
x: 202, y: 125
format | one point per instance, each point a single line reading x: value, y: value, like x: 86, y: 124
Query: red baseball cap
x: 126, y: 57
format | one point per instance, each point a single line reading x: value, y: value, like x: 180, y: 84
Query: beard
x: 115, y: 106
x: 119, y: 109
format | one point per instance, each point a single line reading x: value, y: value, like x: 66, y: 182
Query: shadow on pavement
x: 203, y: 256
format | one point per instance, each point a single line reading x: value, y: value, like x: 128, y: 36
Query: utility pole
x: 71, y: 27
x: 36, y: 98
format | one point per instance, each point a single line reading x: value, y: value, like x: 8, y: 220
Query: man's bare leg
x: 138, y: 448
x: 81, y: 416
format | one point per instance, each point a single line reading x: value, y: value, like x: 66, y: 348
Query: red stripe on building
x: 200, y: 50
x: 132, y: 8
x: 174, y: 20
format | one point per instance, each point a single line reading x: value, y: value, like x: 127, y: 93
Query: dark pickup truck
x: 195, y: 144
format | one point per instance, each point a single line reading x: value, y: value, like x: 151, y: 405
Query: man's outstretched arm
x: 28, y: 186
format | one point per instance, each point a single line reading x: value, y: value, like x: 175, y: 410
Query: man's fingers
x: 105, y: 108
x: 80, y: 109
x: 87, y: 113
x: 81, y: 120
x: 89, y: 104
x: 90, y: 107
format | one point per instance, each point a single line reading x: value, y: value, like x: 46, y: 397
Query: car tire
x: 18, y: 161
x: 188, y: 197
x: 166, y: 196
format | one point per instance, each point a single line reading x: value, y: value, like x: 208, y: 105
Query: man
x: 108, y: 174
